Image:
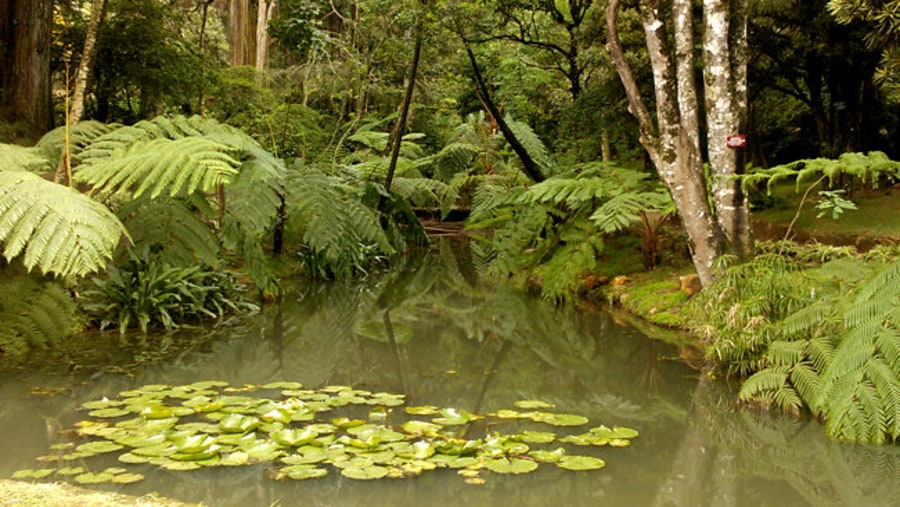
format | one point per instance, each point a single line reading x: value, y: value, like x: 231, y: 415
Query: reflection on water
x: 431, y: 331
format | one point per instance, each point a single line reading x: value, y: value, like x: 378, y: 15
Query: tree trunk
x: 87, y: 61
x: 240, y: 32
x: 671, y: 140
x: 28, y: 84
x: 725, y: 83
x: 530, y: 167
x: 404, y: 111
x: 265, y: 12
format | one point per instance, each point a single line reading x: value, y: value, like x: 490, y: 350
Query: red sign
x: 736, y: 141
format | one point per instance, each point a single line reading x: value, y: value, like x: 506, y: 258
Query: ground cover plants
x: 308, y: 433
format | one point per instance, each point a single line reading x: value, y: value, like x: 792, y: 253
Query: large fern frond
x: 533, y: 145
x: 171, y: 228
x: 19, y: 158
x: 34, y: 313
x: 162, y: 165
x: 623, y: 210
x: 57, y: 229
x: 52, y: 144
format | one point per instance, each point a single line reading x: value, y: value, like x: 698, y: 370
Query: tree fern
x: 186, y: 165
x: 52, y: 144
x: 20, y: 158
x: 846, y: 369
x: 55, y: 228
x: 533, y: 145
x: 34, y: 312
x: 866, y: 167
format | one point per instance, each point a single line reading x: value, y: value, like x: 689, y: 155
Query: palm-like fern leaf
x: 52, y: 144
x: 59, y: 230
x: 172, y: 229
x: 182, y: 165
x: 20, y: 158
x: 34, y: 313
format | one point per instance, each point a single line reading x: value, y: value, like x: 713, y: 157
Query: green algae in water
x: 302, y: 432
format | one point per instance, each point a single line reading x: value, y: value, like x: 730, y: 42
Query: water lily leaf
x: 264, y: 450
x: 309, y: 455
x: 559, y: 419
x: 49, y: 459
x: 192, y: 444
x: 209, y: 452
x: 178, y: 465
x: 62, y: 446
x: 72, y: 456
x: 98, y: 447
x: 114, y: 470
x: 580, y: 463
x: 99, y: 404
x: 615, y: 432
x: 206, y: 384
x: 467, y: 472
x: 70, y: 471
x: 454, y: 417
x: 619, y: 442
x: 511, y: 414
x: 323, y: 428
x: 585, y: 439
x: 545, y: 456
x: 345, y: 422
x: 510, y: 466
x: 335, y: 389
x: 198, y: 427
x: 423, y: 410
x: 29, y: 473
x: 477, y: 481
x: 300, y: 472
x: 294, y: 437
x: 238, y: 423
x: 149, y: 388
x: 130, y: 457
x: 378, y: 414
x: 157, y: 412
x: 238, y: 439
x: 109, y: 412
x: 387, y: 399
x: 203, y: 404
x: 153, y: 451
x: 364, y: 473
x: 282, y: 385
x: 127, y: 478
x: 91, y: 428
x: 236, y: 458
x: 421, y: 428
x: 536, y: 437
x: 142, y: 440
x: 533, y: 404
x: 453, y: 461
x: 92, y: 478
x: 277, y: 414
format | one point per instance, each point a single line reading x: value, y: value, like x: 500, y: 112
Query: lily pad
x: 422, y: 410
x: 29, y: 473
x: 238, y: 423
x: 127, y: 478
x: 510, y: 466
x: 559, y: 419
x: 533, y: 404
x: 364, y: 473
x: 92, y: 478
x: 548, y: 456
x: 580, y: 463
x: 294, y: 437
x: 300, y: 472
x: 100, y: 404
x: 98, y: 447
x: 421, y: 428
x: 109, y: 412
x: 71, y: 470
x: 282, y: 385
x: 615, y: 432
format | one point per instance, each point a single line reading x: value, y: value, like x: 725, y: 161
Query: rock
x: 619, y: 281
x: 690, y: 284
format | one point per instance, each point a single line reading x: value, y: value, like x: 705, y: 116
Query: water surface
x: 435, y: 333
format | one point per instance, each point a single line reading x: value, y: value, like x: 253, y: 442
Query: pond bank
x: 16, y: 493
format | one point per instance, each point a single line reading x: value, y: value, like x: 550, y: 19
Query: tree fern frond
x: 533, y: 145
x: 181, y: 165
x: 58, y: 229
x: 425, y: 192
x: 763, y: 384
x: 172, y: 229
x: 786, y: 353
x: 806, y: 381
x: 19, y: 158
x: 623, y: 210
x: 83, y: 133
x: 805, y: 318
x: 563, y: 271
x: 34, y: 312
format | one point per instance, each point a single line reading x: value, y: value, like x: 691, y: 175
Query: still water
x: 434, y: 333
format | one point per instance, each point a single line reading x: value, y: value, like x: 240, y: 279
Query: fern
x: 57, y: 229
x: 20, y: 158
x: 35, y: 313
x: 533, y: 145
x: 868, y: 167
x: 52, y: 144
x: 183, y: 165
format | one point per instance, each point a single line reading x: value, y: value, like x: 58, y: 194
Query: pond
x: 432, y: 332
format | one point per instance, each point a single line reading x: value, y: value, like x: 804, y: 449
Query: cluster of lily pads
x: 301, y: 431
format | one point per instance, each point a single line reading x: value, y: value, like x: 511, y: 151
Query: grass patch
x: 654, y: 296
x: 15, y: 493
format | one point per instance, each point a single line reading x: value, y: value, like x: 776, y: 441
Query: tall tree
x: 265, y: 12
x: 713, y: 219
x: 85, y: 66
x: 240, y: 32
x: 26, y: 70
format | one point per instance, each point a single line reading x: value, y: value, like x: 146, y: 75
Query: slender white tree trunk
x: 265, y: 12
x: 87, y: 61
x: 725, y: 84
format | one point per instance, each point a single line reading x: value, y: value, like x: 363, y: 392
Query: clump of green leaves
x: 305, y: 433
x: 148, y: 293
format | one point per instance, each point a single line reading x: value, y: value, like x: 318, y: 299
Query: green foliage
x: 83, y: 133
x: 34, y: 312
x: 550, y: 229
x: 840, y: 358
x: 53, y: 227
x: 338, y: 233
x: 869, y: 168
x: 145, y: 292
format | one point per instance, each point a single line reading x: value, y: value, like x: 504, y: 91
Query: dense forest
x: 209, y: 148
